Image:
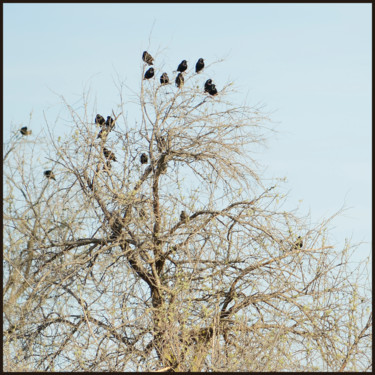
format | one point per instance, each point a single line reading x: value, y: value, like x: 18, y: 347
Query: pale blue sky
x: 310, y: 65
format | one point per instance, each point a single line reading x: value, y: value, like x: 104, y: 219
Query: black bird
x: 49, y: 174
x: 164, y: 79
x: 207, y: 85
x: 109, y: 154
x: 106, y: 127
x: 183, y: 216
x: 298, y: 243
x: 110, y: 123
x: 99, y: 120
x: 149, y: 74
x: 24, y: 131
x: 104, y: 131
x: 212, y: 90
x: 179, y: 80
x: 183, y: 66
x: 147, y: 58
x: 199, y: 65
x: 144, y: 159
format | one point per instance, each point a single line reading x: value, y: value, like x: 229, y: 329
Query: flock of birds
x: 108, y: 125
x: 209, y: 86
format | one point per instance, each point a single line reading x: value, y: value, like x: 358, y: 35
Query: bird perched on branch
x: 49, y: 174
x: 110, y: 123
x: 164, y: 79
x: 149, y: 74
x: 183, y: 216
x: 147, y: 58
x: 103, y: 132
x: 144, y: 159
x: 298, y: 244
x: 182, y: 67
x: 99, y: 120
x: 208, y: 85
x: 109, y: 154
x: 212, y: 90
x: 199, y: 65
x: 107, y: 126
x: 179, y: 80
x: 24, y: 131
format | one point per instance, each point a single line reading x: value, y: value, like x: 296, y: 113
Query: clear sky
x: 309, y: 64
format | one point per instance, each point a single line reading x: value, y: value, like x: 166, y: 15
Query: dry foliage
x: 102, y: 273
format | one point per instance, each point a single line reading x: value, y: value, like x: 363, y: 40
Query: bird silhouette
x: 298, y: 243
x: 183, y: 216
x: 24, y: 131
x: 149, y: 74
x: 164, y: 79
x: 183, y: 66
x: 179, y: 80
x: 144, y: 159
x: 99, y: 120
x: 103, y: 132
x: 207, y: 85
x: 199, y: 65
x: 109, y: 154
x: 212, y: 90
x: 147, y: 58
x: 110, y: 123
x: 49, y: 174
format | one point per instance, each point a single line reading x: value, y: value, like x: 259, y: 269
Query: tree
x: 102, y: 272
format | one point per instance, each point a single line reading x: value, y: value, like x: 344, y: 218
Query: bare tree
x: 184, y: 262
